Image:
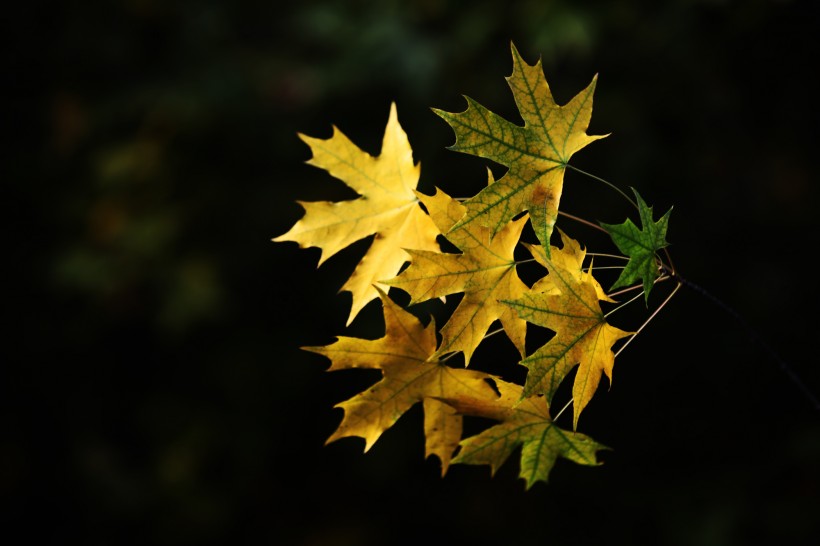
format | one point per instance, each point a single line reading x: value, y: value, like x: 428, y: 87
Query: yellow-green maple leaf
x: 484, y: 272
x: 526, y: 423
x: 388, y: 207
x: 582, y: 334
x: 409, y: 377
x: 536, y: 154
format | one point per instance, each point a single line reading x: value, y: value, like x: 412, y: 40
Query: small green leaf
x: 640, y: 245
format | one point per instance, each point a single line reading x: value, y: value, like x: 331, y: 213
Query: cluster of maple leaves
x: 405, y: 254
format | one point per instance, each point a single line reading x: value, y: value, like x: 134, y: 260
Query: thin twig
x: 784, y: 366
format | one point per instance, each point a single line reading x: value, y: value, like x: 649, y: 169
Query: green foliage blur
x: 154, y: 391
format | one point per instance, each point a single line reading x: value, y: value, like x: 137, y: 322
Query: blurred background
x: 154, y: 391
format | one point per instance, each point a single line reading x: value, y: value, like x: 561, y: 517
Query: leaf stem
x: 567, y: 405
x: 624, y: 304
x: 610, y: 184
x: 605, y: 267
x: 652, y: 316
x: 581, y: 220
x: 603, y: 255
x: 625, y: 290
x: 448, y: 356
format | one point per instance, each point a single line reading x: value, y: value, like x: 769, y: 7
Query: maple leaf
x: 388, y: 207
x: 526, y: 423
x: 571, y: 260
x: 582, y: 335
x: 484, y: 272
x: 409, y: 376
x: 641, y: 245
x: 536, y: 154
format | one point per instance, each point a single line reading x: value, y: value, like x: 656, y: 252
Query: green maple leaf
x: 640, y: 245
x: 536, y: 154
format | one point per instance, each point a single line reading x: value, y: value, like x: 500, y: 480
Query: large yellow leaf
x: 525, y: 423
x: 388, y: 207
x: 409, y: 376
x: 582, y: 335
x: 484, y: 272
x: 536, y: 154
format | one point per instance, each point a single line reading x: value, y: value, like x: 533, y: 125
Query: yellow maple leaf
x: 484, y: 272
x: 582, y: 335
x: 409, y: 377
x: 571, y: 260
x: 388, y: 207
x: 524, y: 423
x: 536, y: 154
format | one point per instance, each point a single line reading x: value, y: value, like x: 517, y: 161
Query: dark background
x: 154, y: 391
